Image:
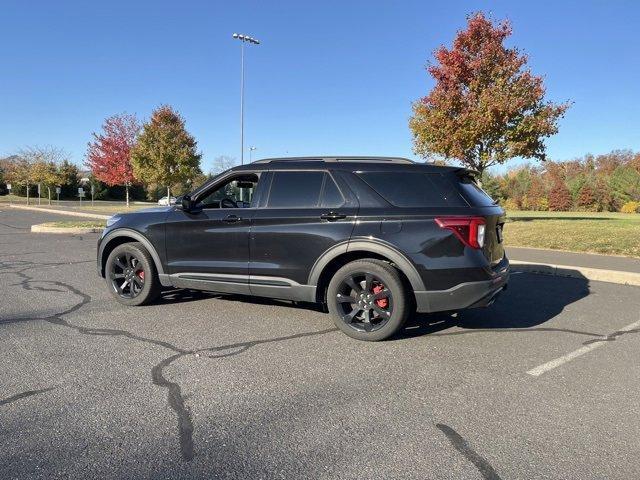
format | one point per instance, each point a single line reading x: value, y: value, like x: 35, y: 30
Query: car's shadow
x: 531, y: 300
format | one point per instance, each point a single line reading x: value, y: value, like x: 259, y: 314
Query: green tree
x: 69, y: 178
x: 486, y: 106
x: 165, y: 154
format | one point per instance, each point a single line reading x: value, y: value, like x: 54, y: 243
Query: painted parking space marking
x: 545, y: 367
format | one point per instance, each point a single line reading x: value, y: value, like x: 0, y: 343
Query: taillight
x: 470, y: 230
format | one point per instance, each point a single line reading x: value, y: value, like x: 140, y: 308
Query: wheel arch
x: 339, y: 255
x: 125, y: 235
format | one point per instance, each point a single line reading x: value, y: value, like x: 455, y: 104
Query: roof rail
x: 336, y: 159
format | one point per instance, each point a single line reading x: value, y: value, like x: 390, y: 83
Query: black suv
x: 373, y: 239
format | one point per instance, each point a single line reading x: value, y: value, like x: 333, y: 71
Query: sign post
x: 58, y: 194
x: 93, y: 190
x: 38, y: 194
x: 9, y: 188
x: 80, y: 195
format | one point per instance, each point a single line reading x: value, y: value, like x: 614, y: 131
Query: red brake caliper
x: 381, y: 302
x: 141, y: 274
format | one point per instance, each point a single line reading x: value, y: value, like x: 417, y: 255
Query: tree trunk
x: 49, y: 190
x: 27, y: 193
x: 168, y: 195
x: 127, y: 190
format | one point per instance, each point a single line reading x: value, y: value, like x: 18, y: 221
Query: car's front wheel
x: 368, y: 300
x: 131, y: 275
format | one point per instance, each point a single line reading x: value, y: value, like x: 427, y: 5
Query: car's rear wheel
x: 368, y: 300
x: 131, y: 275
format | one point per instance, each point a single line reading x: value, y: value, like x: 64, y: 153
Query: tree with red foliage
x: 486, y: 107
x: 587, y: 199
x: 559, y: 197
x: 109, y: 155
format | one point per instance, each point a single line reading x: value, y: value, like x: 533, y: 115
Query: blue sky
x: 330, y: 77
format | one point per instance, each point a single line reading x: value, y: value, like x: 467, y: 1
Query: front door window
x: 237, y: 192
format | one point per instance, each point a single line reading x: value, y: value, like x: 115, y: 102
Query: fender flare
x: 126, y: 232
x: 368, y: 245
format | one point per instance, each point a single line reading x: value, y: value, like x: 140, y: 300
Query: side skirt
x: 273, y: 287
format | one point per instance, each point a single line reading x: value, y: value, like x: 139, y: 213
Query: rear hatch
x: 487, y: 208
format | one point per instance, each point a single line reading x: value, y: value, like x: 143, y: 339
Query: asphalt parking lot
x: 201, y: 386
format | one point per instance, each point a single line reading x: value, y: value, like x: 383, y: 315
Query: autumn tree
x: 559, y: 197
x: 109, y: 155
x: 587, y: 198
x: 37, y: 165
x: 165, y: 153
x: 486, y: 106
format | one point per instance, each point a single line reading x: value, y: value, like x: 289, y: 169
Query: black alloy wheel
x: 131, y: 274
x: 127, y: 275
x: 364, y: 302
x: 368, y: 299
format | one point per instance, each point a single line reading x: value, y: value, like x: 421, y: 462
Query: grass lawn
x: 607, y: 233
x: 75, y: 224
x: 105, y: 207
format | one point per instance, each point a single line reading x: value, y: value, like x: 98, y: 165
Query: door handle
x: 232, y: 219
x: 332, y: 216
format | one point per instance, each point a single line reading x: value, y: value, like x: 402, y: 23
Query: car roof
x: 352, y: 163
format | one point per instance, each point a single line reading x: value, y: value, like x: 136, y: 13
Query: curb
x: 595, y: 274
x: 62, y: 212
x: 44, y: 228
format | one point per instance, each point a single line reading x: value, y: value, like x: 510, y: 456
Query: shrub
x: 631, y: 207
x: 510, y: 204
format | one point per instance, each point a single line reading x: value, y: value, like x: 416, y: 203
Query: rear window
x: 411, y: 189
x: 474, y: 194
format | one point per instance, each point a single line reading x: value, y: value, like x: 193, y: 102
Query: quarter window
x: 331, y: 196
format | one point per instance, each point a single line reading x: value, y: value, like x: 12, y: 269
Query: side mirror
x: 187, y: 203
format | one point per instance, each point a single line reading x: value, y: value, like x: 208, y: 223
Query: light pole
x: 251, y: 149
x: 243, y: 39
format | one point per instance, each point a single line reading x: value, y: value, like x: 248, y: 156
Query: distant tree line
x: 125, y: 160
x: 594, y: 183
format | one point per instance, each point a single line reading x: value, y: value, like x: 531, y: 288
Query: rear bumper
x: 464, y: 295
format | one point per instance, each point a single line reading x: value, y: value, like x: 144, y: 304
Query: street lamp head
x: 246, y: 38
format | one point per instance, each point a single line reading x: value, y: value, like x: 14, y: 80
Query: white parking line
x: 545, y: 367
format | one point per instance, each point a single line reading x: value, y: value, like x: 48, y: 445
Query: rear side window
x: 474, y: 194
x: 303, y: 190
x: 295, y: 189
x: 413, y: 189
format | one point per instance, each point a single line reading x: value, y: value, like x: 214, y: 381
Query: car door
x: 302, y: 215
x: 208, y: 248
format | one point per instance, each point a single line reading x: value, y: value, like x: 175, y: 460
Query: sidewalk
x: 602, y: 268
x: 587, y: 260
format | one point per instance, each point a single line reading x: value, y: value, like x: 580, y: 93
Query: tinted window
x: 413, y: 189
x: 331, y: 196
x: 295, y: 189
x: 474, y: 194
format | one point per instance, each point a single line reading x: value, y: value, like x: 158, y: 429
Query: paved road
x: 200, y: 386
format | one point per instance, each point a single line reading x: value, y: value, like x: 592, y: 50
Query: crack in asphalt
x: 175, y: 397
x: 14, y: 226
x: 20, y: 396
x: 462, y: 446
x: 612, y: 337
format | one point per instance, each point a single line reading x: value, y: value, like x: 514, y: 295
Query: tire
x: 131, y: 275
x: 364, y: 285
